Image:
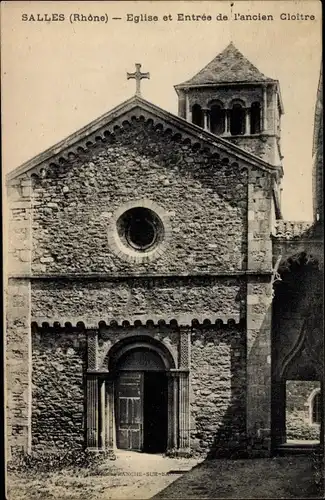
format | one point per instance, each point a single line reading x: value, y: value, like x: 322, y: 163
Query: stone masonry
x: 79, y: 298
x: 73, y: 207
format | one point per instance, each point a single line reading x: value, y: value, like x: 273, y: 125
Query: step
x: 297, y: 449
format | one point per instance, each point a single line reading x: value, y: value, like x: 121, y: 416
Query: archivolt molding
x: 115, y: 350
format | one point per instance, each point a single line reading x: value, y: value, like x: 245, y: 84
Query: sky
x: 57, y: 76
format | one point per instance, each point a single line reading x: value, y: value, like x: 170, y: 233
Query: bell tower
x: 231, y: 98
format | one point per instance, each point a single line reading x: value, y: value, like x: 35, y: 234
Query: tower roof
x: 230, y: 66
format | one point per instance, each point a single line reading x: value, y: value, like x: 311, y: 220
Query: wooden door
x: 129, y: 421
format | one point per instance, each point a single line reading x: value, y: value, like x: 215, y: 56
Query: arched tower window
x: 316, y: 408
x: 197, y: 115
x: 217, y: 119
x: 237, y: 119
x: 255, y: 118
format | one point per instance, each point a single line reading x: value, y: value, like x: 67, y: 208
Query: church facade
x: 148, y: 264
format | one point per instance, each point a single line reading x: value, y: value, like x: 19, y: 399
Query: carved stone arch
x: 215, y: 102
x: 289, y: 267
x: 297, y: 291
x: 133, y: 342
x: 103, y: 393
x: 310, y: 404
x: 237, y: 101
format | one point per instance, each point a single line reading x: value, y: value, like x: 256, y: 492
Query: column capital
x: 99, y: 373
x: 177, y: 372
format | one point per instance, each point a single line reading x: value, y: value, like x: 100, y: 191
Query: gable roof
x: 230, y: 66
x: 137, y: 106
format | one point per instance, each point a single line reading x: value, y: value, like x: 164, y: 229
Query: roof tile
x: 230, y: 66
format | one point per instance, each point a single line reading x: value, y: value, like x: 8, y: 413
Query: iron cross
x: 137, y: 76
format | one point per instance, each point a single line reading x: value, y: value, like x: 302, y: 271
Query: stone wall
x: 218, y: 391
x: 59, y: 364
x: 298, y: 420
x: 74, y: 206
x: 17, y: 243
x: 18, y: 367
x: 211, y: 225
x: 265, y: 148
x: 133, y: 299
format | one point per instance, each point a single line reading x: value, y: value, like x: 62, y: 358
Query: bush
x: 57, y: 461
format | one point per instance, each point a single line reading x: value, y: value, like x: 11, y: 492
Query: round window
x: 140, y: 228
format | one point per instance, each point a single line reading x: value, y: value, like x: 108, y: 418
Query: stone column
x: 102, y: 426
x: 93, y: 418
x: 205, y: 118
x: 18, y: 362
x: 247, y: 122
x: 172, y: 439
x: 184, y: 421
x: 188, y: 108
x: 92, y: 413
x: 109, y: 417
x: 264, y: 111
x: 227, y: 122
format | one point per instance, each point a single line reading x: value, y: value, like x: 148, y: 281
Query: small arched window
x: 316, y: 408
x: 237, y: 119
x: 197, y: 115
x: 217, y: 119
x: 255, y: 118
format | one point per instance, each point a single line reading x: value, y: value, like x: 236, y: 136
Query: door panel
x: 130, y: 411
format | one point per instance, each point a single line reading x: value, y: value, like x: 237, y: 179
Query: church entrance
x: 141, y: 406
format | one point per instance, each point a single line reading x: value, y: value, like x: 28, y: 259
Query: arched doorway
x: 297, y: 350
x: 139, y: 390
x: 141, y: 403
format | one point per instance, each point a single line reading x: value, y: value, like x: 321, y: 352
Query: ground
x: 141, y: 476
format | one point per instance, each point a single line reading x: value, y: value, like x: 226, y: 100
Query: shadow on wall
x: 230, y: 439
x: 59, y: 364
x: 297, y: 333
x: 218, y: 384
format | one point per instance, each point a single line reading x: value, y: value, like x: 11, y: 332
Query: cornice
x: 62, y: 324
x: 121, y: 276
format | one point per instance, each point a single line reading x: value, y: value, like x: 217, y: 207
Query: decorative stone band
x: 121, y: 118
x: 292, y: 229
x: 198, y: 321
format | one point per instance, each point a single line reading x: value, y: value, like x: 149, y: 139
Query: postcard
x: 163, y: 249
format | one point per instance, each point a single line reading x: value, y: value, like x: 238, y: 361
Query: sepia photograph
x: 163, y: 251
